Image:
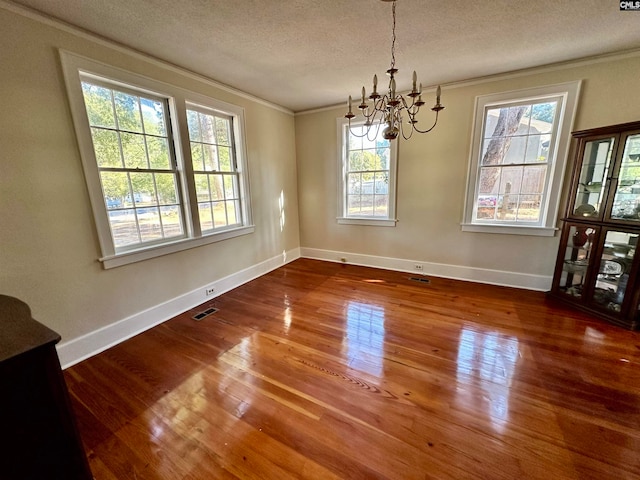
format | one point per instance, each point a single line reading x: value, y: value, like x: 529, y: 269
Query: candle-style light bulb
x: 349, y: 103
x: 415, y: 79
x: 438, y: 92
x: 420, y: 93
x: 363, y: 94
x: 375, y: 81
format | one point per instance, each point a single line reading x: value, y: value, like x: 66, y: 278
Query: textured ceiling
x: 303, y: 54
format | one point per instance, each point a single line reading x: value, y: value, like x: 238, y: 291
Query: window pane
x: 99, y: 106
x: 153, y: 117
x: 193, y: 122
x: 124, y: 227
x: 222, y: 131
x: 381, y: 205
x: 144, y: 191
x: 127, y: 112
x: 210, y: 157
x: 115, y: 187
x: 149, y: 222
x: 354, y: 181
x: 206, y: 216
x: 207, y: 124
x: 353, y: 204
x: 514, y: 150
x: 217, y: 191
x: 529, y: 208
x: 230, y: 190
x: 231, y: 213
x: 158, y: 150
x: 219, y: 214
x: 106, y: 147
x: 202, y: 187
x: 510, y: 180
x: 543, y: 116
x: 381, y: 183
x: 366, y: 204
x: 355, y: 143
x: 489, y: 180
x: 224, y: 154
x: 167, y: 188
x: 537, y: 148
x: 134, y: 151
x: 533, y: 179
x: 171, y: 221
x: 197, y: 157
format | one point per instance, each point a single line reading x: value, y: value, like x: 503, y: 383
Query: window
x: 520, y: 143
x: 367, y: 176
x: 214, y: 169
x: 152, y: 193
x: 136, y: 165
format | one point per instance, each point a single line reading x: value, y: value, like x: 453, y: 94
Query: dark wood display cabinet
x: 597, y: 268
x: 40, y: 438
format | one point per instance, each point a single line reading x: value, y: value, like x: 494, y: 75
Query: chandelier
x: 392, y: 108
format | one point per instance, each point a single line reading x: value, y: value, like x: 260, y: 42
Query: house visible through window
x: 161, y: 176
x: 520, y: 142
x: 367, y: 182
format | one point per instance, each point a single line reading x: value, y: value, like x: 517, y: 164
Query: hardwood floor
x: 325, y: 371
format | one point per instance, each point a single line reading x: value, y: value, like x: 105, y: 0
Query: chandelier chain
x: 395, y: 111
x: 393, y: 36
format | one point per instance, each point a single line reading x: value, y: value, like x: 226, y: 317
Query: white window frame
x: 343, y: 218
x: 568, y: 94
x: 76, y: 67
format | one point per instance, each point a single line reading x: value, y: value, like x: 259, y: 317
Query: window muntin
x: 368, y: 175
x: 136, y: 164
x: 514, y: 165
x: 213, y: 157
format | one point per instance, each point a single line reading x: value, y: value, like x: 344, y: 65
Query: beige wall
x: 432, y: 171
x: 48, y: 243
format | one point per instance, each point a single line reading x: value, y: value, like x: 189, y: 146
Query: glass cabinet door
x: 576, y: 260
x: 614, y: 267
x: 590, y: 190
x: 626, y: 201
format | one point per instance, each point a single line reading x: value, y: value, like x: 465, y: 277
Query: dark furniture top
x: 20, y: 333
x: 40, y: 436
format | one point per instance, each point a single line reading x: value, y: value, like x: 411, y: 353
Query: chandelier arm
x: 403, y: 134
x: 432, y: 126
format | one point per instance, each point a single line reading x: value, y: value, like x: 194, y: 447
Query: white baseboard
x: 480, y: 275
x: 78, y: 349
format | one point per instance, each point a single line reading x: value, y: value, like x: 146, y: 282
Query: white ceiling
x: 304, y: 54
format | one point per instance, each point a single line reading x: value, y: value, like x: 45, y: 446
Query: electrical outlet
x: 418, y: 267
x: 210, y: 291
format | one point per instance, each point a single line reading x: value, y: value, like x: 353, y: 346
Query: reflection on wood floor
x: 325, y: 371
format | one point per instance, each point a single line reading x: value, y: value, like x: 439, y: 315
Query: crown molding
x: 93, y: 37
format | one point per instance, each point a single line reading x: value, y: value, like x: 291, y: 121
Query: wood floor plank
x: 324, y: 371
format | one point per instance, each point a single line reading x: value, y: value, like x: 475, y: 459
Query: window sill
x: 510, y: 229
x: 372, y: 221
x: 133, y: 256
